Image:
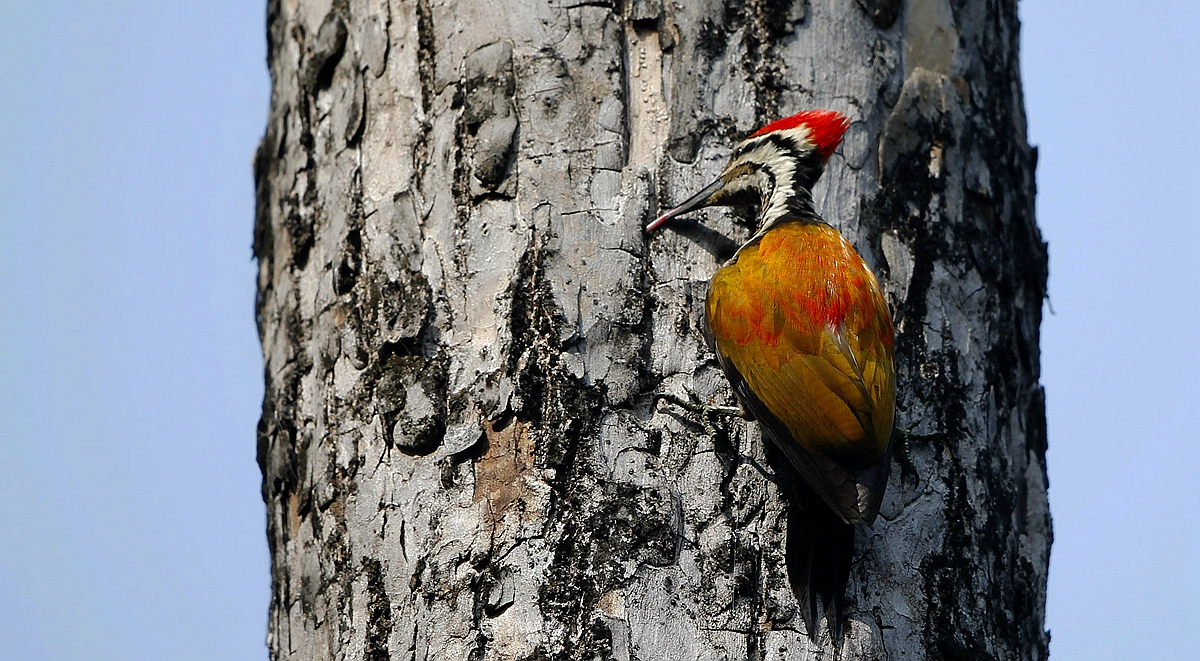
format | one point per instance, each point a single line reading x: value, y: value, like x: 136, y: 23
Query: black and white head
x: 776, y: 167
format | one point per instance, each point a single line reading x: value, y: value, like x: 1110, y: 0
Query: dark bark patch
x: 711, y: 39
x: 325, y: 53
x: 533, y: 326
x: 764, y: 23
x: 598, y: 534
x: 498, y: 589
x: 426, y: 54
x: 411, y: 373
x: 357, y: 112
x: 349, y: 262
x: 488, y: 82
x: 264, y: 194
x: 302, y: 234
x: 379, y: 613
x: 883, y: 13
x: 1035, y: 425
x: 494, y: 150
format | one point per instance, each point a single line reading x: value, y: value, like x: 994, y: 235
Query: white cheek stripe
x: 782, y: 167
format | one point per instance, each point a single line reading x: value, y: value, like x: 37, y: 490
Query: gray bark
x: 464, y: 327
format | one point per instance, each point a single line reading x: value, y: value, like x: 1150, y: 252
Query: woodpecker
x: 800, y: 327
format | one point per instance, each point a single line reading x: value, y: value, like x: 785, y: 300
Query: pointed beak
x: 696, y: 201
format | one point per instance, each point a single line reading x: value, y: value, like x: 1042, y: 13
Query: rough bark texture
x: 464, y: 327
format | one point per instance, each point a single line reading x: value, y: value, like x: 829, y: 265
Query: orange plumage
x: 802, y: 319
x: 800, y: 326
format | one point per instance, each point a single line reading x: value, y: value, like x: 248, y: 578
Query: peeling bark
x: 464, y: 328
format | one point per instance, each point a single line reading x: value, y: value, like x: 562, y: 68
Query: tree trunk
x: 464, y: 328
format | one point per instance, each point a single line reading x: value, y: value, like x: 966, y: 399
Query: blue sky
x: 1113, y: 97
x: 130, y: 378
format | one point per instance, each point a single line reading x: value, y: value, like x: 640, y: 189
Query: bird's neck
x: 777, y: 210
x: 785, y: 188
x: 784, y: 201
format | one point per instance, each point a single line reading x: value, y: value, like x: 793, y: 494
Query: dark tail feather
x: 819, y: 548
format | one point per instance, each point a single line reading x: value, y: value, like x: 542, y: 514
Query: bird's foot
x: 708, y: 413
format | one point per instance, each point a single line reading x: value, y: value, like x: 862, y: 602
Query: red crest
x: 825, y: 128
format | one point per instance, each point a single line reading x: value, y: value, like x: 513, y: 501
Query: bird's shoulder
x: 797, y: 278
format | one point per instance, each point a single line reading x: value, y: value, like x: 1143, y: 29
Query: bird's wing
x: 825, y: 391
x: 820, y: 413
x: 832, y: 388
